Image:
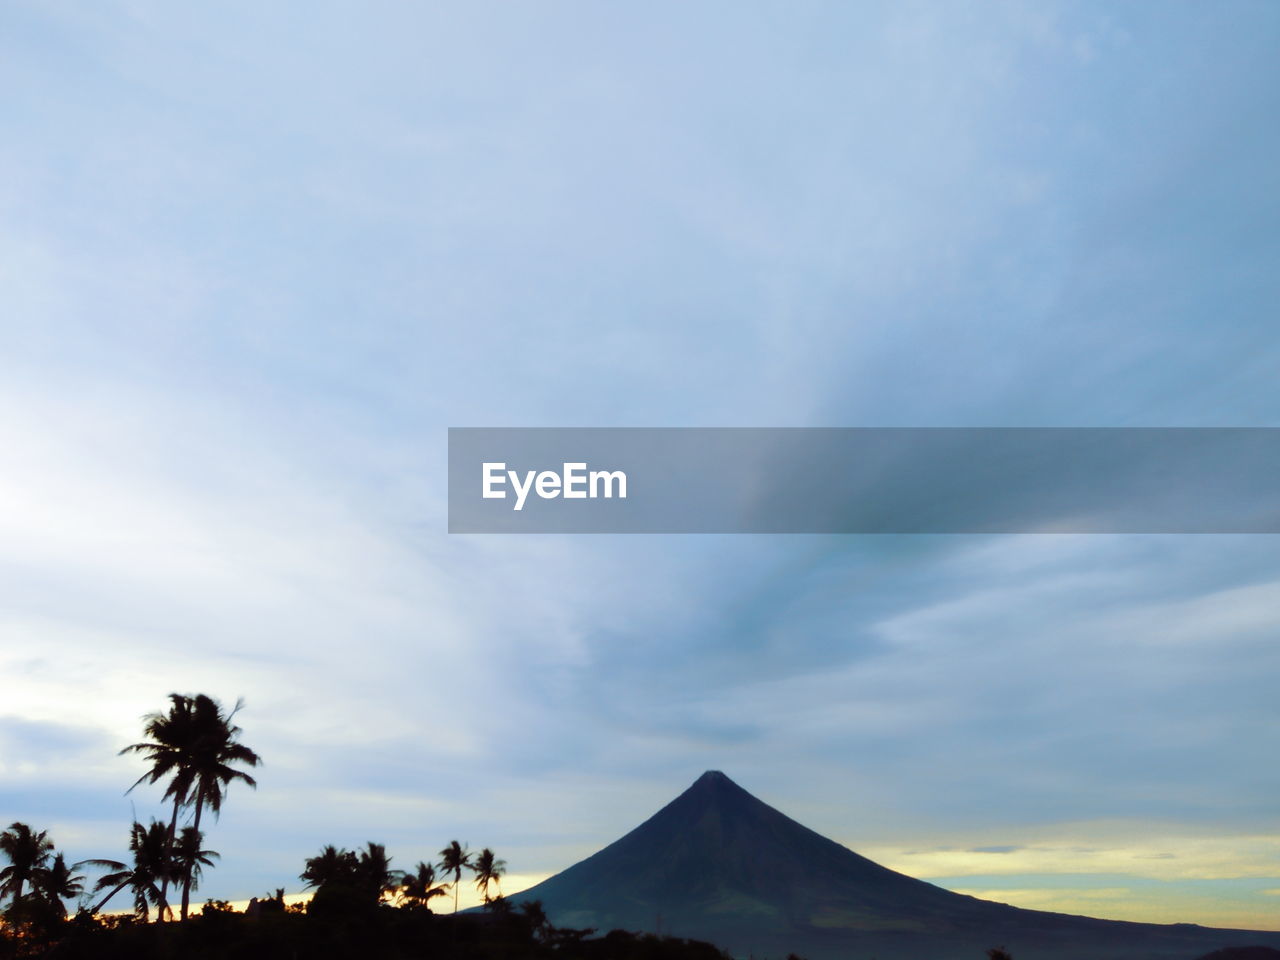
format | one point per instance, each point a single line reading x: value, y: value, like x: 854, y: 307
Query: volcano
x: 717, y: 864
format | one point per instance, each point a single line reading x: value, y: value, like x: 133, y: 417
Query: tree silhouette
x: 27, y: 851
x: 332, y: 866
x: 195, y: 745
x: 168, y: 748
x: 152, y: 865
x: 189, y: 860
x: 420, y: 886
x: 374, y: 873
x: 216, y: 747
x: 453, y: 860
x: 58, y: 882
x: 488, y: 869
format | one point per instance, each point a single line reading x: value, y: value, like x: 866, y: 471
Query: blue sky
x: 254, y: 262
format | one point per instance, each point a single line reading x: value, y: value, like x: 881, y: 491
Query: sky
x: 256, y: 259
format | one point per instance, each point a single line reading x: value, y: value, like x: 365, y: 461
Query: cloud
x: 31, y: 744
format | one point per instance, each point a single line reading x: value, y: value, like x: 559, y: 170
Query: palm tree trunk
x: 98, y: 908
x: 163, y: 905
x: 453, y: 922
x: 186, y: 876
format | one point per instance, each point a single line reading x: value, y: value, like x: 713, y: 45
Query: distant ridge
x: 718, y: 864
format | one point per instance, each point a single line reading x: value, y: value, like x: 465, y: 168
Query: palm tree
x: 488, y: 869
x: 152, y: 865
x: 454, y: 859
x: 28, y: 852
x: 194, y: 745
x: 420, y: 886
x: 189, y: 860
x: 333, y: 865
x: 58, y: 882
x: 215, y: 748
x: 375, y: 873
x: 168, y: 750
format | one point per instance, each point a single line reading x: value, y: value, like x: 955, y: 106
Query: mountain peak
x: 714, y: 778
x: 712, y: 790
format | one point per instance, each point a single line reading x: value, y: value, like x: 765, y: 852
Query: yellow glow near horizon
x: 1184, y: 863
x: 1093, y: 849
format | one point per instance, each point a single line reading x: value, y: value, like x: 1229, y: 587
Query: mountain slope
x: 718, y: 864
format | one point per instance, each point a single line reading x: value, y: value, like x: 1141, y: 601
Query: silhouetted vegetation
x: 195, y: 750
x: 420, y: 887
x: 151, y: 871
x: 35, y: 881
x: 361, y: 906
x: 28, y: 851
x: 488, y: 870
x: 196, y: 746
x: 454, y: 859
x: 384, y: 932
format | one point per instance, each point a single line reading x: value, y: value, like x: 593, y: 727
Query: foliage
x: 420, y: 888
x: 152, y: 868
x: 488, y: 869
x: 453, y: 860
x: 189, y: 858
x: 27, y: 851
x: 197, y: 747
x: 340, y: 875
x: 58, y: 882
